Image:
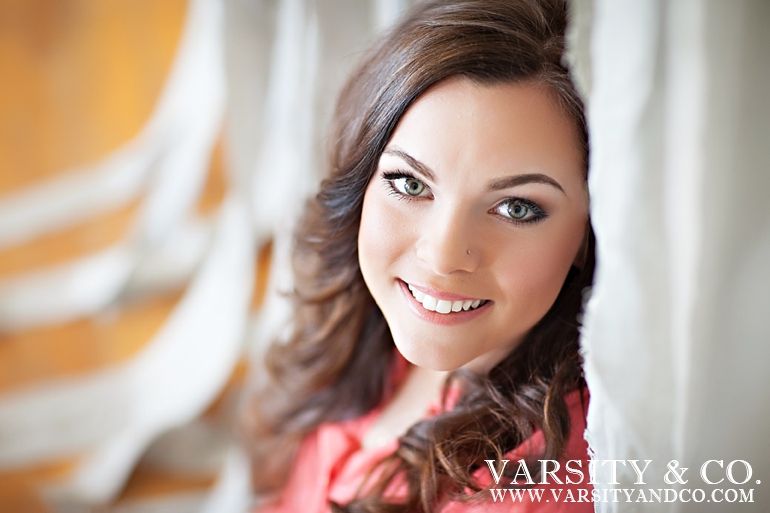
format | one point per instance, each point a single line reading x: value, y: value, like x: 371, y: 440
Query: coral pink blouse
x: 331, y: 463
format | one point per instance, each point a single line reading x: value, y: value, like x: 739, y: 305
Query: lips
x: 444, y: 306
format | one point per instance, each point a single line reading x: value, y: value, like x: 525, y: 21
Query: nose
x: 447, y: 243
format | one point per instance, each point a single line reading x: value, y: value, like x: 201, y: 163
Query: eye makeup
x: 529, y: 211
x: 516, y: 210
x: 402, y: 184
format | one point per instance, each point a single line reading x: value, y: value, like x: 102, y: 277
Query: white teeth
x: 443, y: 306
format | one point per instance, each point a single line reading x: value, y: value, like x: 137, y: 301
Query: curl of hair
x: 336, y: 364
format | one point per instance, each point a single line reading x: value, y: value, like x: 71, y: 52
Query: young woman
x: 439, y: 275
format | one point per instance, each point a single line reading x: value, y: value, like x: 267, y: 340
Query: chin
x: 428, y: 356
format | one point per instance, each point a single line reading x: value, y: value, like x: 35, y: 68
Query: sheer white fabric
x: 278, y: 64
x: 166, y: 163
x: 677, y: 328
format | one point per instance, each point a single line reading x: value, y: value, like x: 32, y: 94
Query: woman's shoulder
x: 329, y: 465
x: 554, y: 486
x: 331, y: 462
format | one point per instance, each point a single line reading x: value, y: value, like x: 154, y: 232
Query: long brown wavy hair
x: 337, y: 363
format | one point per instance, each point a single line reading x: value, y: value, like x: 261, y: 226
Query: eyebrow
x: 416, y: 164
x: 500, y: 183
x: 513, y: 181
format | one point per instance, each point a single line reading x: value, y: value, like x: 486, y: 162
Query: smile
x: 444, y: 306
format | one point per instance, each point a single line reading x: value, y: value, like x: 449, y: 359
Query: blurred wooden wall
x: 79, y: 78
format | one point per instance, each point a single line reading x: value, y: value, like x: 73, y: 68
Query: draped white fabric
x: 271, y: 70
x: 167, y: 162
x: 677, y: 331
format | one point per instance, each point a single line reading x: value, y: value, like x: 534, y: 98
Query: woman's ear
x: 582, y: 252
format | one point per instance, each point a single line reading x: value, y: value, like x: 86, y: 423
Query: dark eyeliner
x: 389, y: 176
x: 539, y: 213
x: 392, y: 175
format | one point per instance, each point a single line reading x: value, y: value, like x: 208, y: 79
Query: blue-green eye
x: 519, y: 210
x: 409, y: 186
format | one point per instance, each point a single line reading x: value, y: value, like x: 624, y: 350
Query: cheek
x: 379, y: 241
x: 534, y: 272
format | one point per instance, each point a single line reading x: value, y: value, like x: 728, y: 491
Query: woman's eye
x: 520, y: 210
x: 409, y: 186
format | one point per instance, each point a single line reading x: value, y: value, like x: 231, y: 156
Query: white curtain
x: 269, y: 71
x: 677, y: 329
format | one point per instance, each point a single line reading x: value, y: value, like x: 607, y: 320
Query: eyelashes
x: 519, y: 211
x: 406, y: 186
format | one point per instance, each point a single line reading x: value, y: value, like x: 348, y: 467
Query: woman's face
x: 475, y: 214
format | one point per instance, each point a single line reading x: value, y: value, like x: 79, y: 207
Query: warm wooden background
x: 79, y: 78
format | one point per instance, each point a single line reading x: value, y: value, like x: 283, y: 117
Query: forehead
x: 506, y: 128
